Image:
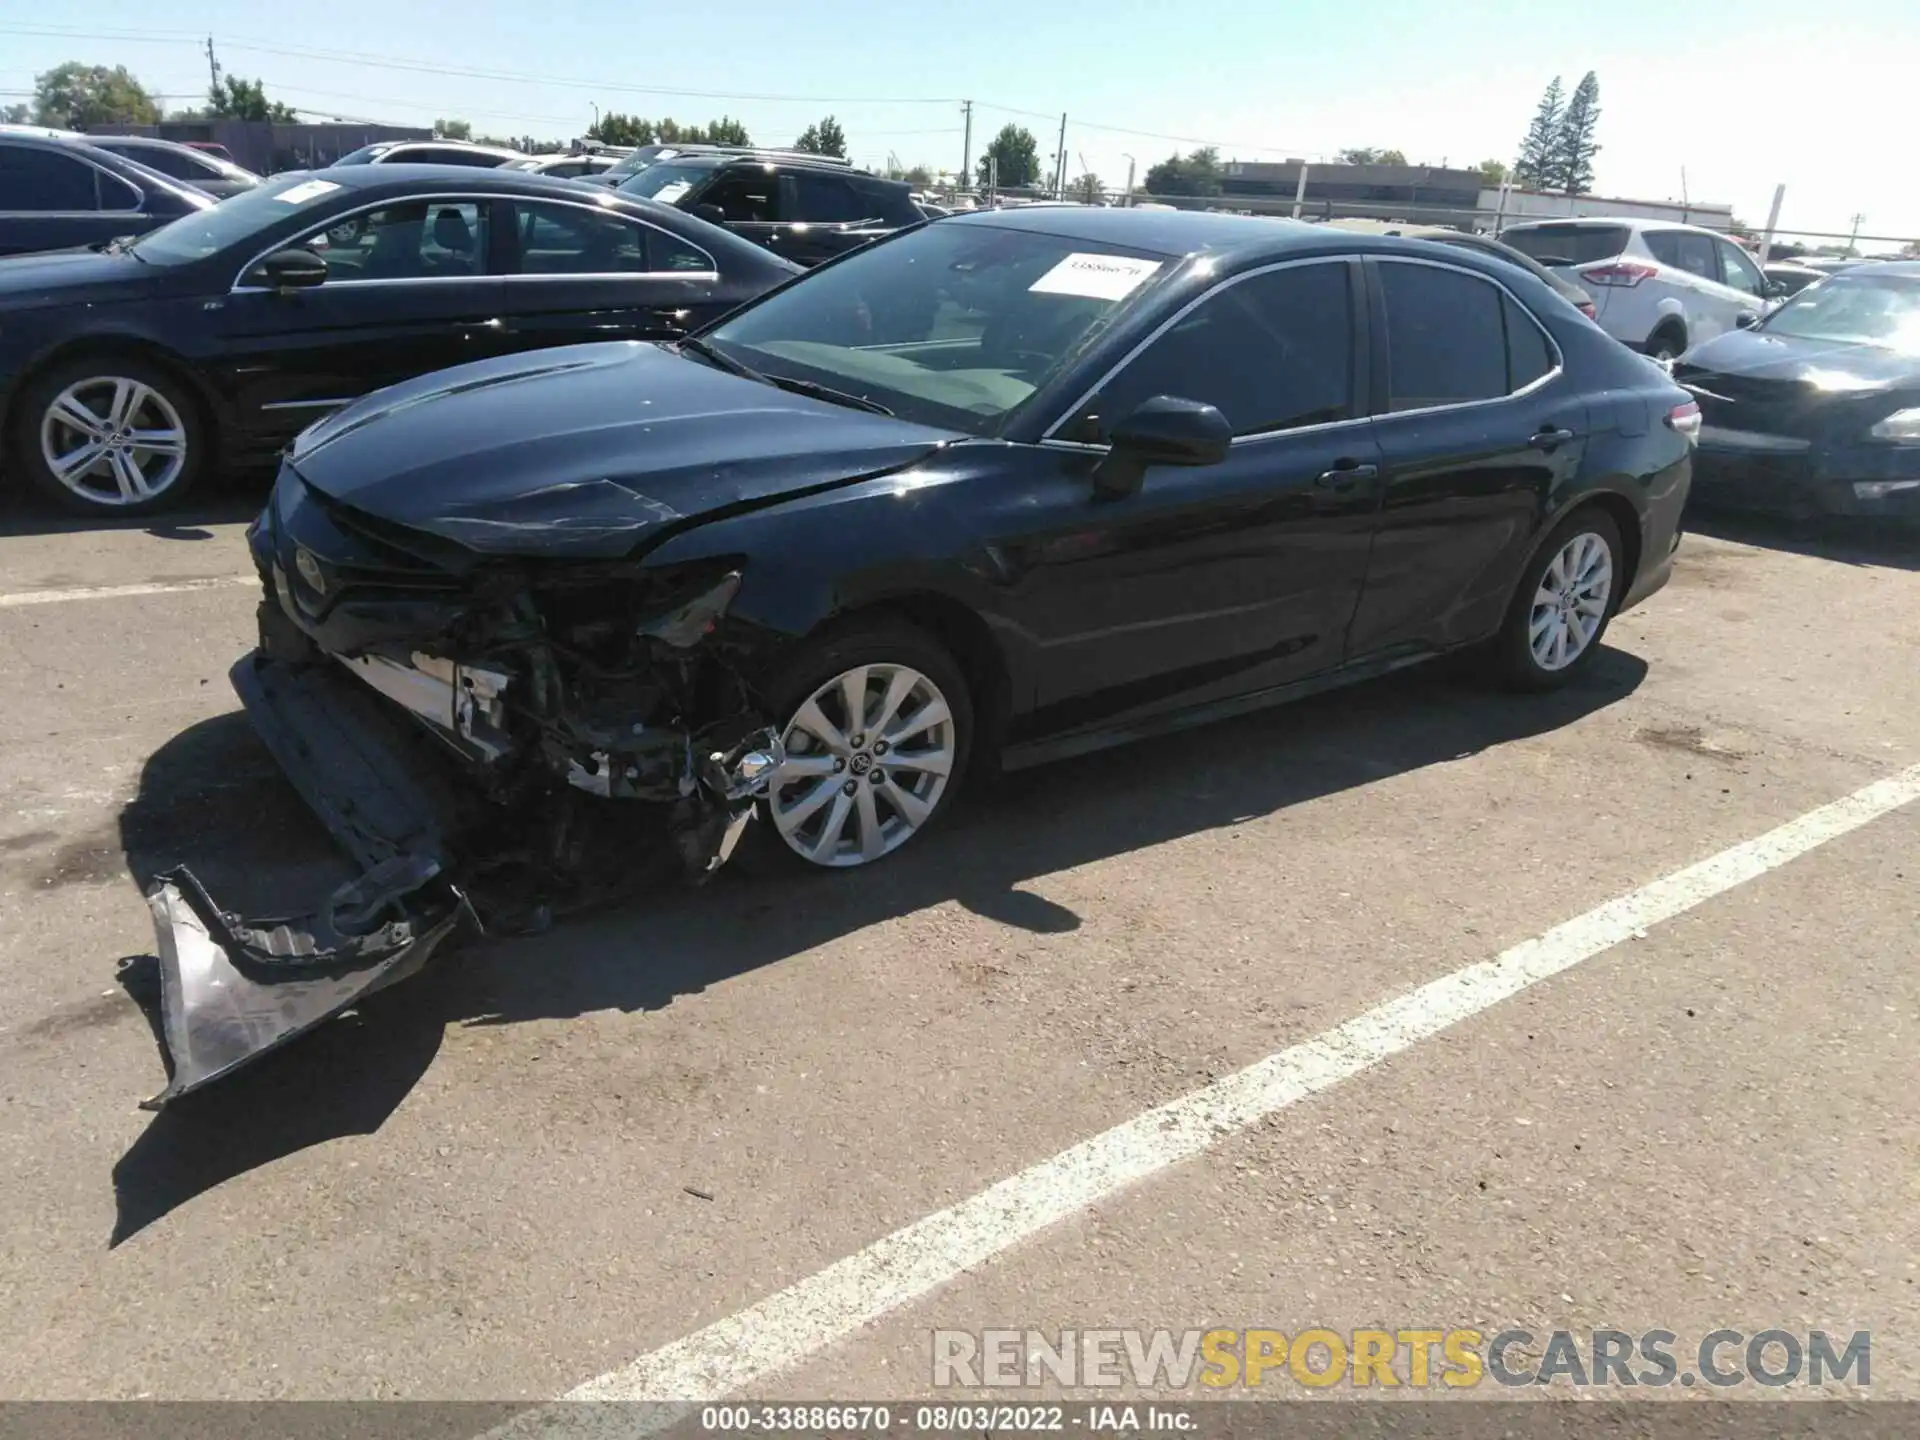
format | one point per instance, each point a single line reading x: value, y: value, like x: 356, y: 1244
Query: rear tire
x: 1560, y: 611
x: 110, y: 435
x: 878, y: 725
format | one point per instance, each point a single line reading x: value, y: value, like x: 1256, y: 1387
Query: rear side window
x: 32, y: 180
x: 890, y: 203
x: 180, y: 165
x: 1446, y: 336
x: 1684, y: 250
x: 825, y: 200
x: 1567, y: 244
x: 1528, y: 354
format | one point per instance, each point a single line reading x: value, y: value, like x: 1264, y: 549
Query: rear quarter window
x: 1567, y: 244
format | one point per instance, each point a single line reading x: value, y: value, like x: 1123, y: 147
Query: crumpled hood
x: 583, y: 450
x: 1822, y: 364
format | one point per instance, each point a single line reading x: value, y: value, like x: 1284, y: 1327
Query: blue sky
x: 1740, y: 96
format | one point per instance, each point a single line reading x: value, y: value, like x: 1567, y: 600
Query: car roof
x: 404, y: 175
x: 1170, y: 232
x: 1902, y: 268
x: 387, y: 147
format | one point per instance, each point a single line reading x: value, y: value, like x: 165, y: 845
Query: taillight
x: 1624, y: 272
x: 1685, y: 418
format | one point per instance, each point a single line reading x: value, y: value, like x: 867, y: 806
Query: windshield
x: 665, y: 180
x: 955, y: 325
x: 208, y: 232
x: 1567, y: 244
x: 1855, y: 309
x: 366, y: 154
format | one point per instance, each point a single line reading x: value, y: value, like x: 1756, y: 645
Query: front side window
x: 35, y: 180
x: 746, y: 194
x: 1271, y: 352
x: 952, y: 325
x: 117, y: 194
x: 418, y: 240
x: 825, y: 200
x: 1741, y: 273
x: 1446, y: 337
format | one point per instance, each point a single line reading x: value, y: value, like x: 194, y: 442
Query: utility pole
x: 1773, y: 223
x: 1853, y: 241
x: 1131, y: 162
x: 213, y: 70
x: 1060, y: 163
x: 966, y: 146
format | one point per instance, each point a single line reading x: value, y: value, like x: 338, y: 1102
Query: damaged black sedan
x: 1007, y: 487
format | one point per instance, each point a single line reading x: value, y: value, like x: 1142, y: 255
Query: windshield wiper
x: 725, y: 362
x: 828, y: 393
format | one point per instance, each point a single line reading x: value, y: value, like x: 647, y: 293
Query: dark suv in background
x: 803, y: 208
x: 57, y: 194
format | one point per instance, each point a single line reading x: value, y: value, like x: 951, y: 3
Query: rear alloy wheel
x: 1561, y: 610
x: 877, y: 729
x: 110, y: 437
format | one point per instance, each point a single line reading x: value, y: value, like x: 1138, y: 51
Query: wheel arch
x: 965, y: 634
x: 213, y: 413
x: 1625, y: 515
x: 1673, y: 322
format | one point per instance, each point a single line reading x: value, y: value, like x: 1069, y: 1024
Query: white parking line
x: 122, y: 592
x: 730, y: 1355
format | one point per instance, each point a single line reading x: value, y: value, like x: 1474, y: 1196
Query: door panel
x: 1469, y: 465
x: 1217, y: 580
x: 407, y: 293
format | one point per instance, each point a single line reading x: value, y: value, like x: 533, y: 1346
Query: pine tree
x: 1534, y: 169
x: 1574, y: 147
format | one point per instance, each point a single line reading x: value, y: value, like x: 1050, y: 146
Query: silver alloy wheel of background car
x: 1571, y: 603
x: 113, y: 440
x: 868, y: 756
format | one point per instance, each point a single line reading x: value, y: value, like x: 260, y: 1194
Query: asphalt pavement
x: 700, y: 1134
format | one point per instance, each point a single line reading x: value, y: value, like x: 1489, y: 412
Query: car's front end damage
x: 461, y: 733
x: 478, y: 675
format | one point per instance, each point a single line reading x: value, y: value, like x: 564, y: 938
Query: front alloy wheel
x: 869, y: 754
x: 1570, y: 604
x: 113, y: 441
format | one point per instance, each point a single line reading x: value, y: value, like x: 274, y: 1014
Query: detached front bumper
x: 234, y: 989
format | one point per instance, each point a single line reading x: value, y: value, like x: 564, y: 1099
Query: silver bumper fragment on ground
x: 232, y: 990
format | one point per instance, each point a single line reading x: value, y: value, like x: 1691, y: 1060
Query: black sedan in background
x: 1816, y: 409
x: 126, y: 372
x: 57, y: 192
x: 207, y: 173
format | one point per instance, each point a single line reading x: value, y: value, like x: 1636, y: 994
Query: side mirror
x: 1746, y: 320
x: 1163, y: 430
x: 711, y: 213
x: 294, y: 269
x: 1775, y: 290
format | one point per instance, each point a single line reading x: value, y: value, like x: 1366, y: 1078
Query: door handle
x: 1344, y: 473
x: 1549, y: 437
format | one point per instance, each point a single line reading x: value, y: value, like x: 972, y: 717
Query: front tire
x: 110, y: 435
x: 1560, y: 612
x: 877, y: 723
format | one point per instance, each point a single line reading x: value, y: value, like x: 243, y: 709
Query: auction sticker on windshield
x: 306, y: 190
x: 1096, y: 277
x: 669, y: 193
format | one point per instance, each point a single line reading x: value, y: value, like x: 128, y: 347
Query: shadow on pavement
x: 349, y: 1076
x: 1846, y: 539
x: 228, y: 501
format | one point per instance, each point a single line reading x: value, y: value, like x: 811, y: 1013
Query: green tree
x: 1534, y: 170
x: 1016, y: 154
x: 16, y: 114
x: 613, y: 128
x: 453, y: 129
x: 918, y: 175
x: 1359, y: 155
x: 1087, y: 189
x: 1574, y: 146
x: 75, y: 96
x: 823, y: 137
x: 1392, y: 157
x: 727, y: 131
x: 1196, y: 173
x: 1493, y: 173
x: 232, y: 98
